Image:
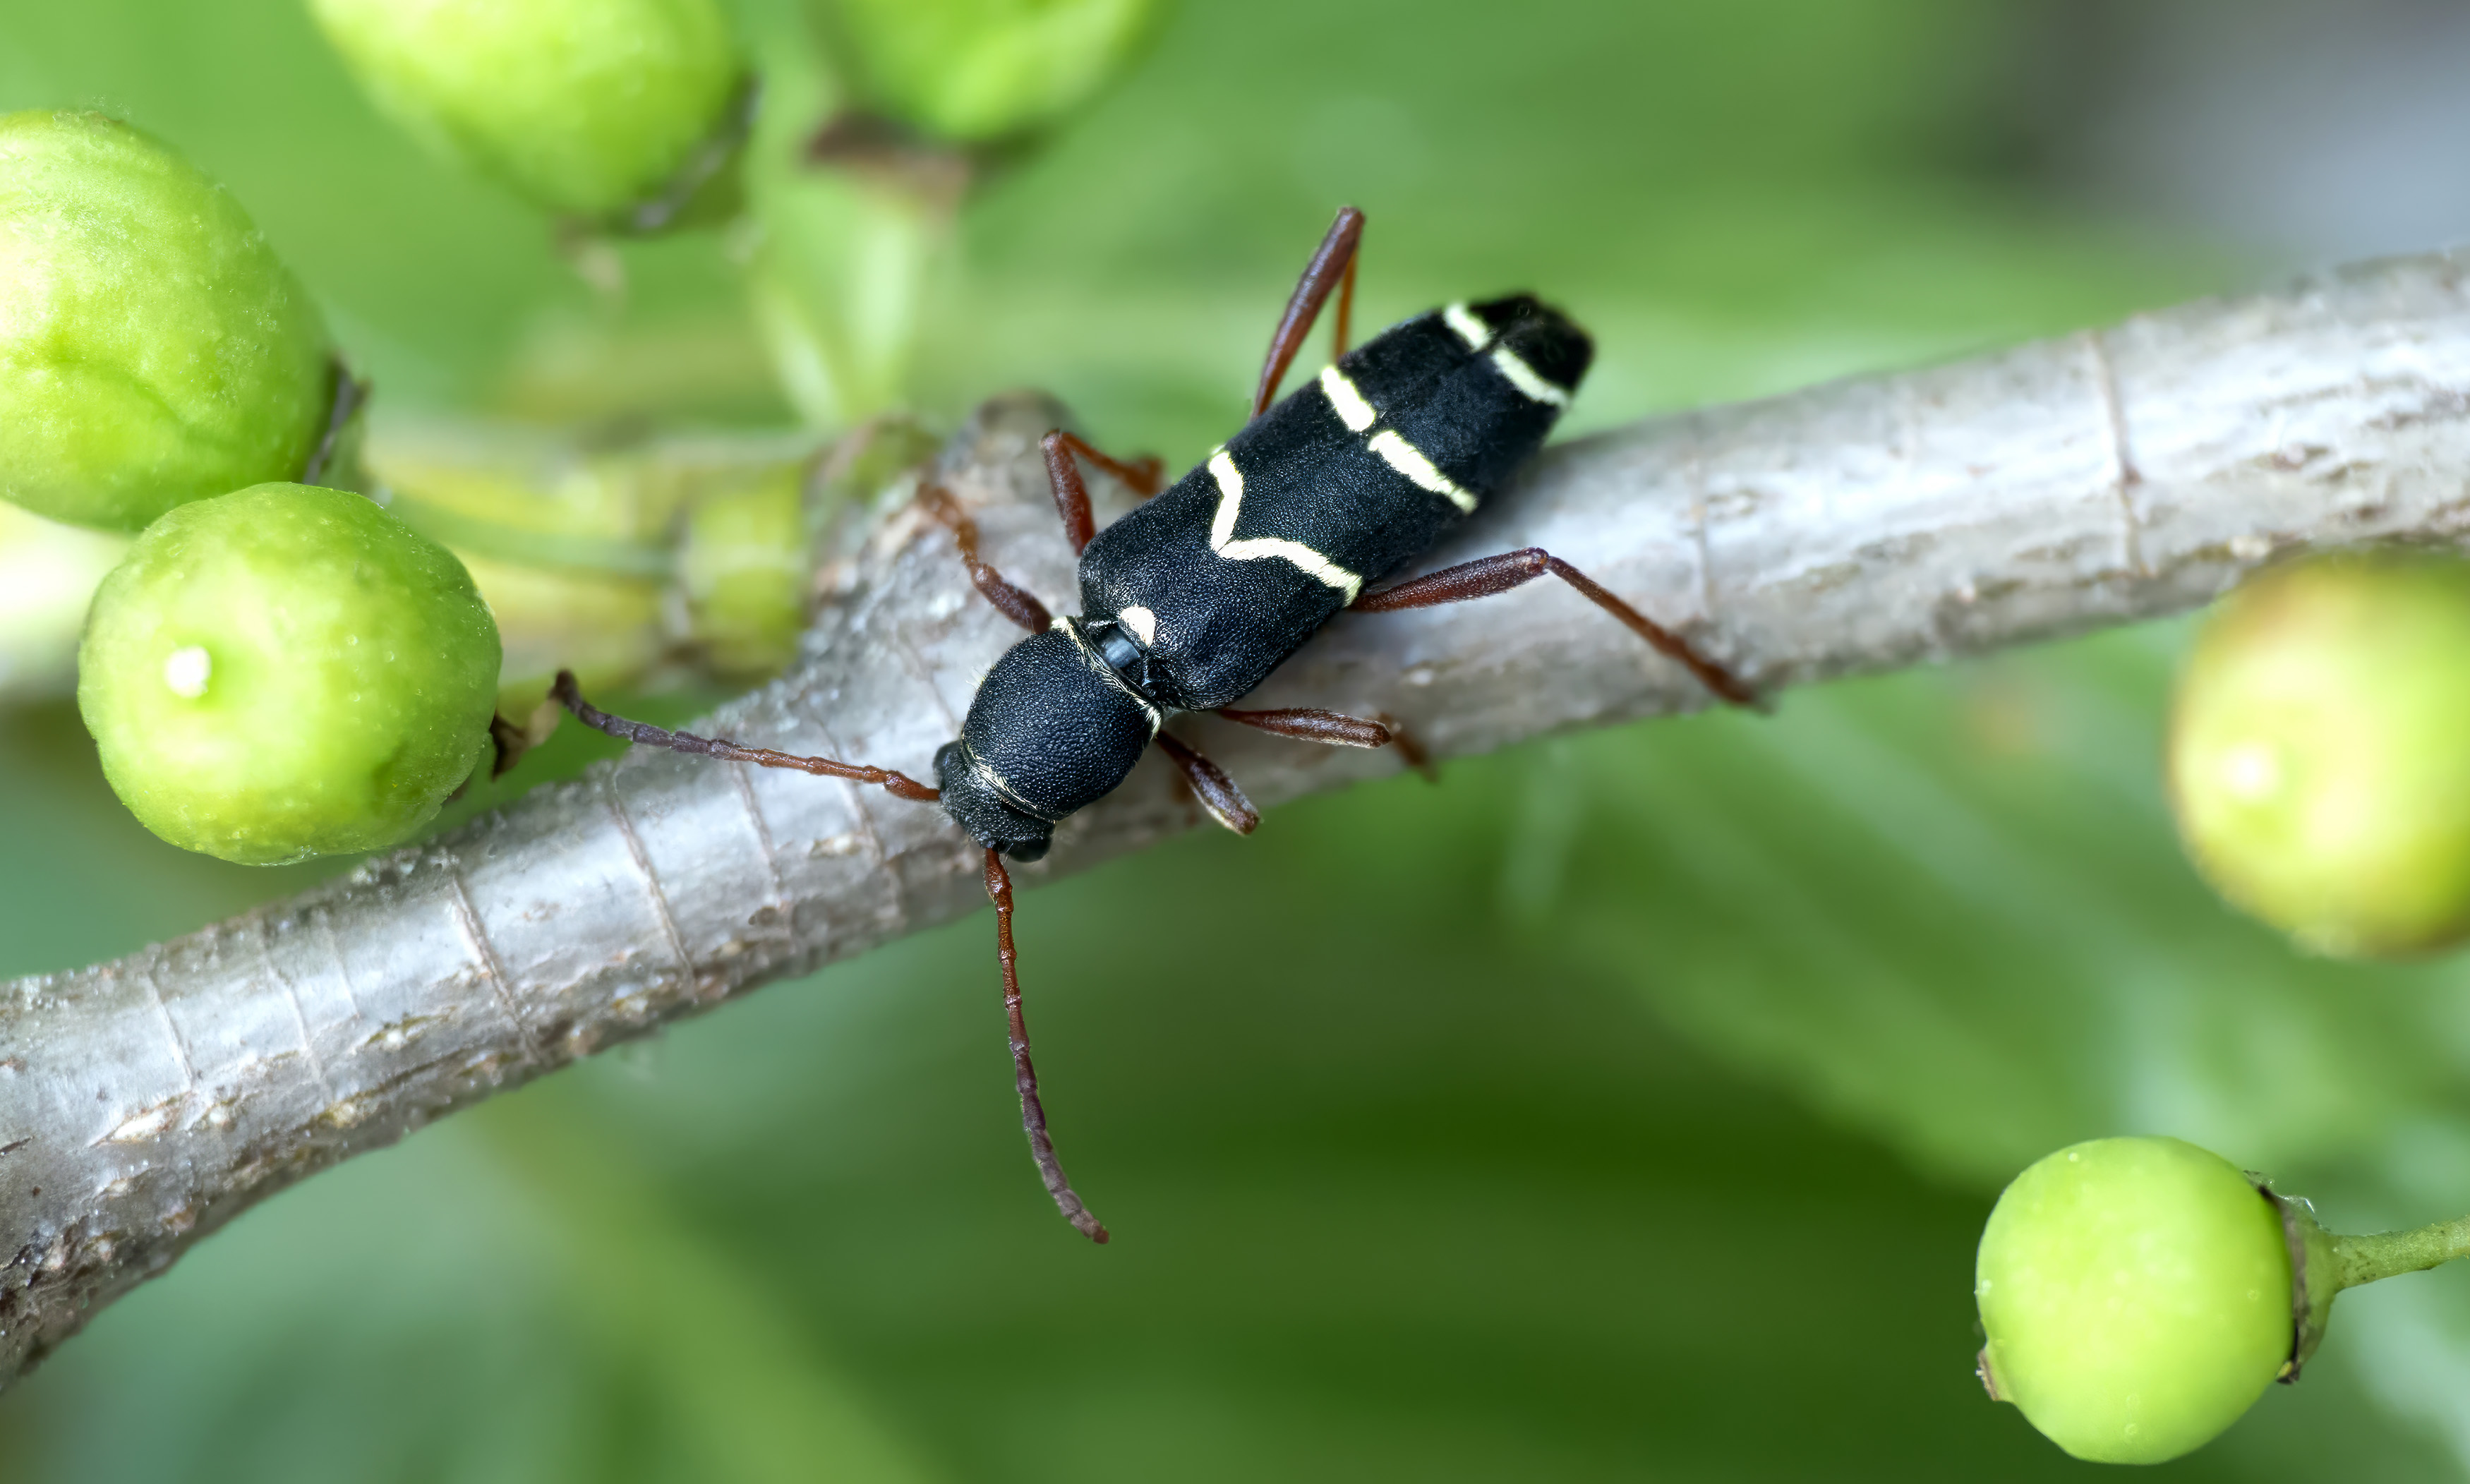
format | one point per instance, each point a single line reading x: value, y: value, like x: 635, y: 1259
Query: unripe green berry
x: 287, y: 671
x: 2136, y: 1297
x: 585, y: 107
x: 2317, y: 763
x: 973, y: 71
x: 152, y: 348
x: 746, y: 572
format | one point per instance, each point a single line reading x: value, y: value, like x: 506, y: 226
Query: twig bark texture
x: 1854, y: 526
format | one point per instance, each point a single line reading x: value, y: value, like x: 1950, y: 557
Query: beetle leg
x: 1331, y: 267
x: 1485, y: 576
x: 1337, y: 729
x: 1032, y: 1112
x: 1015, y: 603
x: 1410, y: 749
x: 1304, y: 723
x: 898, y: 785
x: 1145, y: 475
x: 1210, y: 784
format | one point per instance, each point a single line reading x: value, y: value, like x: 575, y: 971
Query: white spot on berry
x: 187, y: 670
x: 2252, y: 772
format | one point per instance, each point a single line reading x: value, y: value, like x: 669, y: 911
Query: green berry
x: 973, y: 71
x: 152, y: 348
x: 745, y: 570
x: 2136, y: 1297
x: 2315, y: 758
x: 285, y: 672
x: 585, y: 107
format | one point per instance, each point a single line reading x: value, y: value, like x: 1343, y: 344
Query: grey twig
x: 1855, y: 526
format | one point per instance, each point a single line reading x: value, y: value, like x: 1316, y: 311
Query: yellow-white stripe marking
x: 1475, y: 332
x: 1142, y: 622
x: 1345, y: 401
x: 1003, y: 788
x: 1522, y: 377
x: 1410, y: 460
x: 1222, y: 532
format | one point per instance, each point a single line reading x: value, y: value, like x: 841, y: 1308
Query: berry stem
x: 2366, y: 1258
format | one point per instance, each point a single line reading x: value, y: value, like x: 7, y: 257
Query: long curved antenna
x: 1033, y: 1113
x: 899, y: 785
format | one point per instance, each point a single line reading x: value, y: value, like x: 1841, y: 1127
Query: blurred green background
x: 1625, y: 1107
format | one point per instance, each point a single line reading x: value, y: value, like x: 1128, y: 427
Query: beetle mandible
x: 1192, y: 599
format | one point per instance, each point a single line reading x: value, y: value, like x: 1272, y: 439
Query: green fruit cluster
x: 152, y: 348
x: 975, y: 71
x: 2136, y: 1297
x: 586, y: 108
x: 2316, y: 760
x: 287, y: 671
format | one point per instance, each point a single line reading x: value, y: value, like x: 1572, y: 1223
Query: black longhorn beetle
x: 1192, y: 599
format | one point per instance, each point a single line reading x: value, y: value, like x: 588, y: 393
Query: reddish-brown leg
x: 1410, y: 749
x: 1032, y: 1112
x: 1487, y: 575
x: 1333, y: 729
x: 1017, y: 604
x: 1071, y: 496
x: 1210, y: 784
x: 898, y: 785
x: 1144, y: 474
x: 1331, y: 267
x: 1339, y: 333
x: 1337, y: 729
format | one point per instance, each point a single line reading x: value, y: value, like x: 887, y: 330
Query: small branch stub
x: 2313, y: 1275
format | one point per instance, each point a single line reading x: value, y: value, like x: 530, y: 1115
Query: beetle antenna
x: 1033, y: 1113
x: 899, y: 785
